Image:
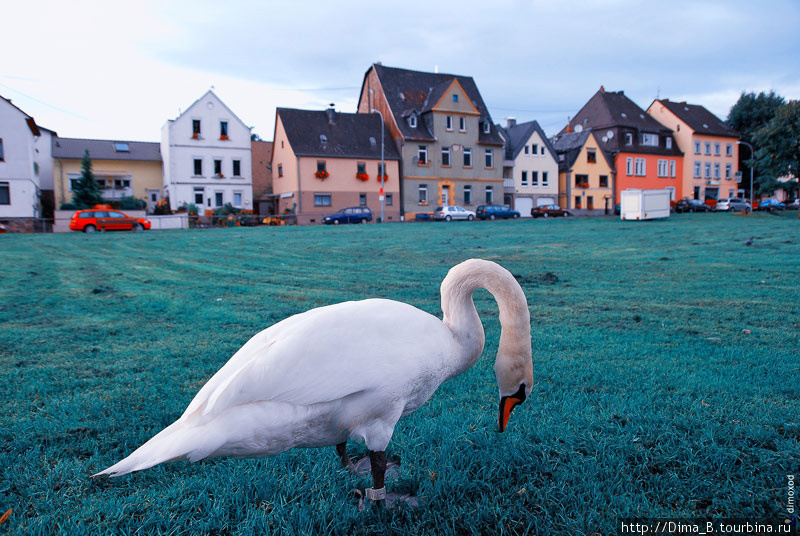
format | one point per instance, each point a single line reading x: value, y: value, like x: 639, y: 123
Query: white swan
x: 349, y: 370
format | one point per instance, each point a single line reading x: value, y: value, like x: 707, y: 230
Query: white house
x: 531, y: 162
x: 207, y: 157
x: 26, y: 165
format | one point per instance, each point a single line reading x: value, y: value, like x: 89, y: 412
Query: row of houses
x: 417, y: 140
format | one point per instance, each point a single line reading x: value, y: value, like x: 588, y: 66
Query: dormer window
x: 628, y: 138
x: 650, y: 139
x: 486, y: 127
x: 668, y: 143
x: 412, y: 121
x: 323, y: 138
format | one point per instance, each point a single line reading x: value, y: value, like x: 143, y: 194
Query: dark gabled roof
x: 699, y: 119
x: 410, y: 92
x: 347, y: 137
x: 106, y: 149
x: 517, y: 135
x: 570, y: 144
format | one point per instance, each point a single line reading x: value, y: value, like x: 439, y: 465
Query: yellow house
x: 585, y: 173
x: 122, y: 168
x: 711, y: 154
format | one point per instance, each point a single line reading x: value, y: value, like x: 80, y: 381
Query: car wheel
x: 491, y: 216
x: 448, y: 218
x: 137, y: 227
x: 363, y: 220
x: 336, y: 222
x: 515, y: 216
x: 545, y: 215
x: 470, y: 217
x: 567, y: 214
x: 89, y: 229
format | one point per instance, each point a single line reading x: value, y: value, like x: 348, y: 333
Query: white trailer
x: 644, y: 204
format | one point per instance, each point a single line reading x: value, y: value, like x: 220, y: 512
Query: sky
x: 120, y: 69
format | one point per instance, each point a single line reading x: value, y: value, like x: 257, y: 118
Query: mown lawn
x: 666, y: 363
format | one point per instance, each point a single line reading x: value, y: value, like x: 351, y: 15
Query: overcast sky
x: 121, y: 69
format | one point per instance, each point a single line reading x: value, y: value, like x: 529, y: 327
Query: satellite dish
x: 605, y: 139
x: 610, y: 134
x: 578, y: 128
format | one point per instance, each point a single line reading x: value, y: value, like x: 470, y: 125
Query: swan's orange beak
x: 507, y: 404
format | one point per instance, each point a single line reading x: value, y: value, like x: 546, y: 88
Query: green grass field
x: 665, y: 357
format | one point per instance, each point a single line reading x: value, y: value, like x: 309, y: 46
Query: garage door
x: 540, y: 202
x: 523, y: 205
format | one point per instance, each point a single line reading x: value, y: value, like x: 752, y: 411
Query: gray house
x: 451, y: 152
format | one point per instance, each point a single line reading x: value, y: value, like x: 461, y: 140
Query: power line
x: 34, y: 99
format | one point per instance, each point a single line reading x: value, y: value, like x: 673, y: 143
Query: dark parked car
x: 496, y: 212
x: 349, y: 215
x: 771, y: 204
x: 793, y: 205
x: 691, y: 205
x: 546, y: 211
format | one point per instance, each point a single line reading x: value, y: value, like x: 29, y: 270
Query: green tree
x: 778, y: 149
x: 86, y: 192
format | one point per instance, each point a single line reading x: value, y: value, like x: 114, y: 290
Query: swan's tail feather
x: 173, y: 443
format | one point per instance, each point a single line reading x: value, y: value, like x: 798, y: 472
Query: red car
x: 546, y: 211
x: 103, y: 218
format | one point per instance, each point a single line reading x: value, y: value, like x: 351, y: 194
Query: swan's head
x: 515, y: 380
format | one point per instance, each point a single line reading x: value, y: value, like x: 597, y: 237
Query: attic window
x: 624, y: 115
x: 455, y: 97
x: 641, y: 116
x: 705, y: 126
x: 323, y: 138
x: 486, y: 127
x: 412, y: 121
x: 372, y: 141
x: 122, y: 147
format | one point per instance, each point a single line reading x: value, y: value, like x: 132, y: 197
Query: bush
x: 68, y: 206
x: 131, y: 203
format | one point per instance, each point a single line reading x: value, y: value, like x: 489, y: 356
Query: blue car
x: 349, y: 215
x: 771, y: 204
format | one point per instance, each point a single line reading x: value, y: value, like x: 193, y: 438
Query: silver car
x: 453, y: 212
x: 734, y: 204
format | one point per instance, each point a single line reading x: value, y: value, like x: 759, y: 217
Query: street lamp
x: 753, y: 156
x: 383, y: 167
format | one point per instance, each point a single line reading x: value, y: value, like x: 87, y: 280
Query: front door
x: 445, y: 196
x: 153, y: 197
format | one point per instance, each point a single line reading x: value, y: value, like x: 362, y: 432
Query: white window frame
x: 698, y: 147
x: 650, y: 140
x: 717, y: 170
x: 708, y: 148
x: 707, y: 170
x: 202, y: 193
x: 486, y: 127
x: 241, y: 198
x: 319, y: 200
x: 412, y: 121
x: 446, y: 153
x: 448, y: 122
x: 668, y: 142
x: 629, y: 138
x: 489, y: 195
x: 629, y: 166
x: 672, y: 169
x: 728, y: 149
x: 728, y: 170
x: 524, y: 179
x: 640, y: 167
x: 462, y: 124
x: 467, y: 194
x: 468, y: 155
x: 488, y: 159
x: 422, y: 155
x: 717, y: 149
x: 534, y: 179
x: 545, y: 179
x: 698, y: 169
x: 663, y: 168
x: 195, y: 160
x: 422, y: 194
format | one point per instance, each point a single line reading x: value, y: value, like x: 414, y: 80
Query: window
x: 672, y: 168
x: 524, y: 180
x: 650, y: 140
x: 422, y: 155
x: 380, y: 170
x: 388, y: 199
x: 462, y: 124
x: 322, y: 200
x: 577, y: 201
x: 534, y: 178
x: 663, y: 168
x: 728, y: 149
x: 448, y: 122
x: 122, y: 147
x: 640, y: 167
x: 489, y: 195
x: 708, y: 147
x: 199, y: 194
x: 2, y: 154
x: 467, y: 194
x: 361, y: 168
x: 195, y: 128
x: 218, y: 168
x: 629, y: 166
x: 362, y: 200
x: 591, y: 156
x: 467, y: 157
x: 668, y: 142
x: 603, y: 181
x: 526, y: 149
x: 717, y: 148
x: 489, y: 157
x: 321, y: 166
x: 455, y: 97
x: 198, y: 167
x: 120, y: 184
x: 280, y: 170
x: 581, y: 181
x: 5, y: 194
x: 218, y: 198
x: 728, y: 171
x: 423, y: 194
x: 237, y: 168
x: 542, y: 150
x: 446, y: 156
x: 708, y: 170
x: 223, y: 130
x: 590, y: 202
x: 534, y: 148
x: 237, y: 199
x: 698, y: 170
x: 716, y: 170
x: 697, y: 147
x: 486, y: 127
x: 412, y: 121
x: 545, y: 178
x: 628, y: 138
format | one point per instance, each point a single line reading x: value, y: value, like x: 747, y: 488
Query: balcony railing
x: 116, y: 193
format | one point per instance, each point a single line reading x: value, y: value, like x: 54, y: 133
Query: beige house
x: 325, y: 161
x: 122, y: 168
x: 711, y: 154
x: 586, y: 173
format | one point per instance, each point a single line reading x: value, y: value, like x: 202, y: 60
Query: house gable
x: 453, y: 99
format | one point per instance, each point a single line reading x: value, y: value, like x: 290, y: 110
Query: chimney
x: 511, y: 122
x: 602, y: 89
x: 331, y: 113
x: 569, y: 124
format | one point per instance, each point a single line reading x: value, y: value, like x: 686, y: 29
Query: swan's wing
x: 327, y: 354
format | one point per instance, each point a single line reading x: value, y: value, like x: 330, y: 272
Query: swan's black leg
x: 341, y: 450
x: 377, y: 462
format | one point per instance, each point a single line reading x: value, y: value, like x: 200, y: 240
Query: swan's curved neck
x: 462, y: 318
